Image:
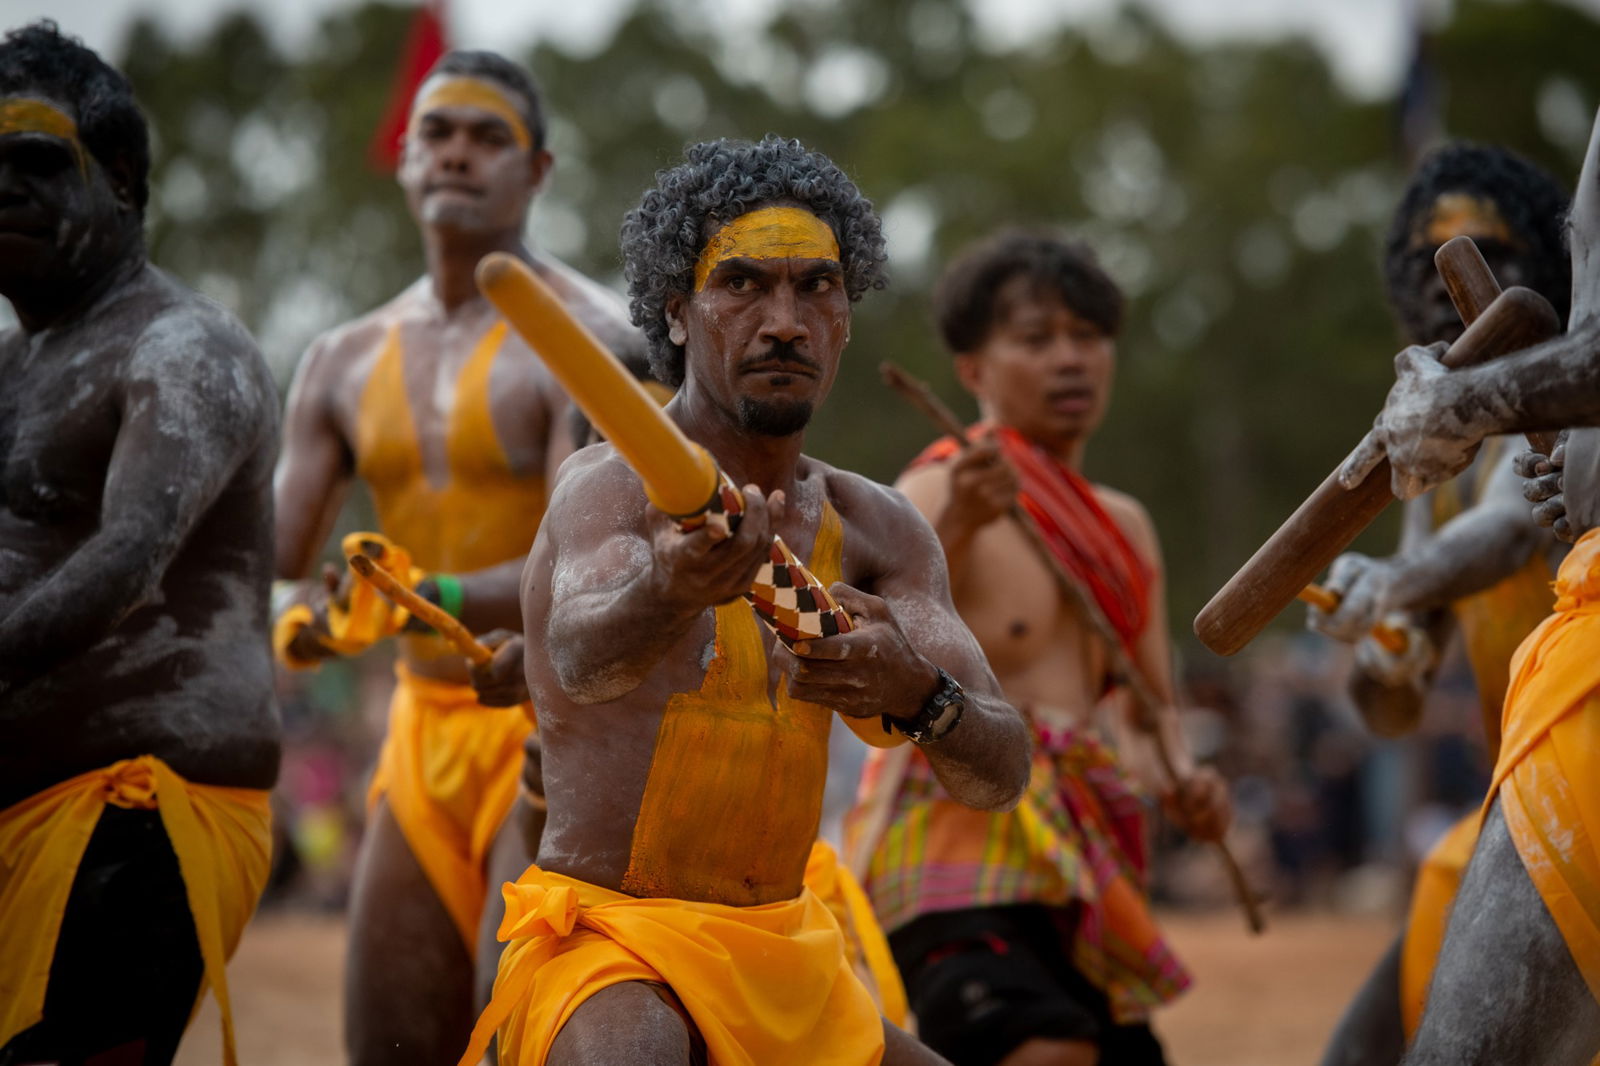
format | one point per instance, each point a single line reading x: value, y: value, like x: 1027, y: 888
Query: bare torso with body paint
x: 457, y: 428
x: 136, y: 450
x: 610, y: 765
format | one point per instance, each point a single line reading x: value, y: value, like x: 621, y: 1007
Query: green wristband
x: 450, y: 595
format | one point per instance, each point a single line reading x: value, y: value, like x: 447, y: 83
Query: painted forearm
x: 78, y: 604
x: 1472, y: 553
x: 984, y: 763
x: 1552, y: 386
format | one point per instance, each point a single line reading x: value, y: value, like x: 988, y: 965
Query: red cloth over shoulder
x: 1080, y: 534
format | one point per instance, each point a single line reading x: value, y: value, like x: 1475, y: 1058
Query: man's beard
x: 774, y: 418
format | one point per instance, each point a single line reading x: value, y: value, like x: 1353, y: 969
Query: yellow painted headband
x: 767, y: 233
x: 471, y: 92
x: 1455, y: 213
x: 20, y: 114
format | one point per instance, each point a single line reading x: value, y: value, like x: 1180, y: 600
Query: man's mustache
x: 783, y: 353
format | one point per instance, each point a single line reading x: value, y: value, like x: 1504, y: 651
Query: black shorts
x: 127, y: 966
x: 983, y: 982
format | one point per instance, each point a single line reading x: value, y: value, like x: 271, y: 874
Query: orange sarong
x: 769, y: 985
x: 450, y: 769
x: 1551, y: 742
x: 864, y: 942
x: 223, y: 841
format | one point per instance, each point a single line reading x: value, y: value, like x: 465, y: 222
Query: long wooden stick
x: 925, y: 400
x: 449, y: 628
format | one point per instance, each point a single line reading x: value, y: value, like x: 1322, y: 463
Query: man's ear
x: 677, y: 331
x: 120, y: 176
x: 969, y: 371
x: 540, y: 164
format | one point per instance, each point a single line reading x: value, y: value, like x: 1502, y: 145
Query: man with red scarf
x: 1024, y: 937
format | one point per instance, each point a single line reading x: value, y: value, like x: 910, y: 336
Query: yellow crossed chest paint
x: 1495, y: 621
x: 734, y: 796
x: 485, y: 513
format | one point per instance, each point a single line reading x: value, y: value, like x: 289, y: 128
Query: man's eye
x: 41, y: 156
x: 741, y: 283
x: 819, y: 284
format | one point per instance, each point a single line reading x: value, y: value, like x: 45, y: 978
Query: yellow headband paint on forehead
x: 22, y: 114
x: 471, y: 92
x: 767, y: 233
x: 1457, y: 213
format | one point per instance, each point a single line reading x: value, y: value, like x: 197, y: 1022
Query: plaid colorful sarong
x: 1078, y: 835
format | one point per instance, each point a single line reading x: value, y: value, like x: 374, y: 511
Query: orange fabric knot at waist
x: 130, y: 783
x: 538, y: 910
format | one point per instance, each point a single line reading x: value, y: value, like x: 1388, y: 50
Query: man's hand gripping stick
x: 680, y: 477
x: 1497, y: 323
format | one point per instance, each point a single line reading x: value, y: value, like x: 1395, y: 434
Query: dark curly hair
x: 497, y: 68
x: 1533, y: 204
x: 717, y: 182
x: 40, y: 58
x: 967, y: 293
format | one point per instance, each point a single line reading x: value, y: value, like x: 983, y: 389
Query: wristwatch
x: 939, y: 715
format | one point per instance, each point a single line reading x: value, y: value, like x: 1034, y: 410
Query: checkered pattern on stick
x: 786, y: 596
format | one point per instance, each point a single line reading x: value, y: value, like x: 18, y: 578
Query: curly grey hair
x: 717, y: 182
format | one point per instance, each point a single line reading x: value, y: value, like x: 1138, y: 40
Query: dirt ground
x: 1257, y: 1001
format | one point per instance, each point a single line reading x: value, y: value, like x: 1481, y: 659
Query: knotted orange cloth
x: 1551, y: 742
x: 450, y: 769
x: 769, y: 985
x: 223, y: 840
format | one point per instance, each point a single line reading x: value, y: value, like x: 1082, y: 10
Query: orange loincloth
x: 769, y: 985
x: 223, y: 841
x: 1438, y: 879
x: 450, y: 769
x: 864, y: 942
x: 1551, y: 741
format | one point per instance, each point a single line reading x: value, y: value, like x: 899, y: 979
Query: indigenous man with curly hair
x: 457, y: 428
x: 138, y: 736
x: 1471, y: 557
x: 684, y: 749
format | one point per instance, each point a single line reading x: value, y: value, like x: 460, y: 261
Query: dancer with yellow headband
x: 138, y: 737
x: 667, y: 918
x: 457, y: 429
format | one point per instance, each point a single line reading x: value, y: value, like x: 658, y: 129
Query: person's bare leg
x: 1505, y: 988
x: 408, y: 979
x: 629, y: 1024
x: 1370, y: 1032
x: 1041, y: 1052
x: 900, y: 1048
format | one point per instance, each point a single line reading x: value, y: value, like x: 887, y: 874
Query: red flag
x: 425, y: 43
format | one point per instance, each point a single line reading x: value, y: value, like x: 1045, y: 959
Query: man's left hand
x: 868, y: 671
x: 1200, y: 805
x: 502, y: 681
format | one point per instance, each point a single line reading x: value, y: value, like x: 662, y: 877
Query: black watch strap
x: 939, y: 715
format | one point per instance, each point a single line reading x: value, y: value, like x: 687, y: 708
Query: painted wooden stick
x: 1148, y: 705
x: 1393, y: 638
x: 459, y: 636
x: 1333, y: 516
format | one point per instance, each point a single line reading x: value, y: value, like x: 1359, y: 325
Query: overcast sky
x: 1367, y: 40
